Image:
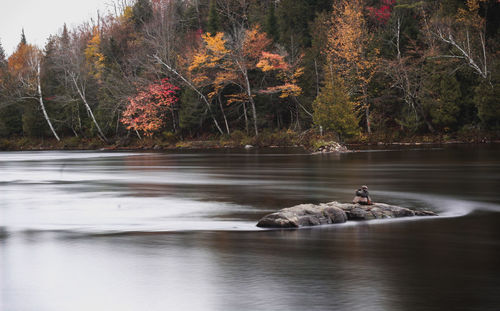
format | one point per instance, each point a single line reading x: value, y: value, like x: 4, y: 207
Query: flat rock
x: 334, y: 212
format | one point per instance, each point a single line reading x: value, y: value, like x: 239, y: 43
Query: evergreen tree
x: 23, y: 38
x: 487, y: 100
x: 65, y: 37
x: 3, y: 59
x: 213, y: 24
x: 192, y: 113
x: 332, y: 109
x: 294, y: 16
x: 142, y: 12
x: 445, y: 110
x: 271, y: 25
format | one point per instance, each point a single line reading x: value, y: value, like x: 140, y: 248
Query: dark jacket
x: 362, y: 193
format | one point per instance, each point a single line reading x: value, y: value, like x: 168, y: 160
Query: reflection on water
x: 158, y: 231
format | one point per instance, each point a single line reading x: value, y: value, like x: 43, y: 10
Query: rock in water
x: 332, y: 213
x: 304, y: 215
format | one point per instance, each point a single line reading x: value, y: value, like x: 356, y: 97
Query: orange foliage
x: 18, y: 61
x: 215, y: 64
x: 271, y: 61
x: 255, y: 43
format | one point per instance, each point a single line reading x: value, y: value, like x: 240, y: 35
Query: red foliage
x: 383, y: 13
x: 146, y: 111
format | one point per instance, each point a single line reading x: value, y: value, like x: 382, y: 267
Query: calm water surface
x: 160, y: 231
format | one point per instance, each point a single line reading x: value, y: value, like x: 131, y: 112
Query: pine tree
x: 332, y: 108
x: 487, y: 100
x: 23, y: 38
x: 3, y: 59
x: 446, y: 108
x: 213, y: 24
x: 142, y: 12
x: 65, y: 37
x: 294, y: 16
x: 271, y: 25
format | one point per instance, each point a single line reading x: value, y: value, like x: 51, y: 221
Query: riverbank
x: 309, y: 140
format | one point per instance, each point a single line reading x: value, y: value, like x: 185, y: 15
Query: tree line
x: 213, y: 67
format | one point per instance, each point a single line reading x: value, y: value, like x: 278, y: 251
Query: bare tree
x: 406, y: 73
x: 465, y: 35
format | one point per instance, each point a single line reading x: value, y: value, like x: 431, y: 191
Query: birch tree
x: 76, y: 69
x: 25, y: 65
x: 465, y: 37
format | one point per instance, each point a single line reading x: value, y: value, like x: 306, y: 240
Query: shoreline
x: 308, y: 141
x: 214, y: 145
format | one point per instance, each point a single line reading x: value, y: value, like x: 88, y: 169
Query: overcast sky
x: 41, y: 18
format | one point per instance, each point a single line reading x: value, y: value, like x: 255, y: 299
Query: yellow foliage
x: 128, y: 14
x: 347, y: 53
x: 237, y: 98
x: 216, y: 44
x: 470, y: 16
x: 95, y: 59
x: 211, y: 54
x: 214, y: 65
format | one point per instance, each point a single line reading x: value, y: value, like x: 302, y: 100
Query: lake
x: 176, y: 230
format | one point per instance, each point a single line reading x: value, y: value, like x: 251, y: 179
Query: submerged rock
x: 331, y: 147
x: 332, y: 213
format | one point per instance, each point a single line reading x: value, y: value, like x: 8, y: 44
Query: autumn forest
x: 175, y: 70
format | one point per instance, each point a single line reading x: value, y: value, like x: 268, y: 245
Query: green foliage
x: 333, y: 110
x: 487, y: 100
x: 3, y: 60
x: 10, y: 121
x: 142, y: 12
x: 192, y: 112
x: 23, y: 38
x: 169, y: 137
x: 443, y: 99
x: 271, y: 23
x: 238, y: 136
x: 213, y: 25
x: 413, y: 92
x: 294, y: 17
x: 276, y: 138
x: 32, y: 121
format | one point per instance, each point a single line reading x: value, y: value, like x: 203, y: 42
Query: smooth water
x: 160, y: 231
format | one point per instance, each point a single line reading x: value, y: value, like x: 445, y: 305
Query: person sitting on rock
x: 362, y: 196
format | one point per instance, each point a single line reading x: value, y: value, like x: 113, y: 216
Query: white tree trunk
x: 246, y: 116
x: 224, y: 114
x: 250, y: 98
x: 40, y: 100
x: 89, y: 110
x: 466, y: 53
